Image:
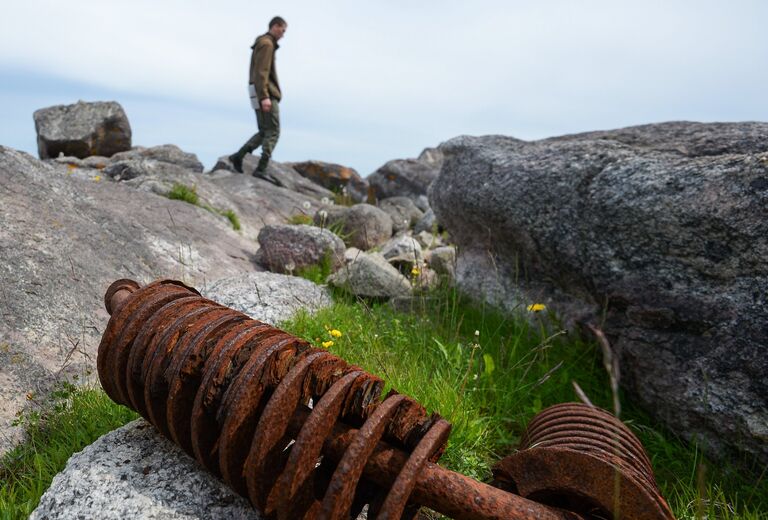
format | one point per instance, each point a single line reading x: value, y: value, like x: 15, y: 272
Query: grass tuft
x: 189, y: 195
x: 184, y: 193
x: 71, y: 420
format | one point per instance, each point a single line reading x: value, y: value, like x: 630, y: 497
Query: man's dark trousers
x: 266, y: 137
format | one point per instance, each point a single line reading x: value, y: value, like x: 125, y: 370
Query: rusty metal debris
x: 235, y: 394
x: 585, y: 460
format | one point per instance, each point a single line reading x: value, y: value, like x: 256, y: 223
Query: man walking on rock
x: 264, y: 90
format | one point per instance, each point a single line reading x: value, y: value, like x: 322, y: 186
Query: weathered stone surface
x: 370, y: 275
x: 168, y: 153
x: 407, y: 177
x: 443, y: 261
x: 335, y: 177
x: 82, y: 129
x: 134, y: 472
x: 665, y: 226
x: 63, y: 240
x: 287, y: 248
x: 97, y: 162
x: 268, y: 297
x: 403, y: 250
x: 279, y: 174
x: 403, y: 211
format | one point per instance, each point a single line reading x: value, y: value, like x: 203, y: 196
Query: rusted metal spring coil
x: 233, y: 393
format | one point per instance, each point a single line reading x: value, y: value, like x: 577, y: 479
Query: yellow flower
x: 335, y: 333
x: 536, y: 307
x: 415, y: 271
x: 327, y: 344
x: 97, y: 178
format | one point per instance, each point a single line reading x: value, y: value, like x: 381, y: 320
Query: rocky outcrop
x: 407, y: 177
x: 279, y: 174
x: 340, y: 179
x: 289, y: 249
x: 662, y: 230
x: 65, y: 236
x: 82, y: 130
x: 134, y: 472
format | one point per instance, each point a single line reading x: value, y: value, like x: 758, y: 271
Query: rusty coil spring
x: 213, y: 380
x: 576, y: 457
x: 234, y: 393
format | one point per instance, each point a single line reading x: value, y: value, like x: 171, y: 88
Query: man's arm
x: 262, y: 63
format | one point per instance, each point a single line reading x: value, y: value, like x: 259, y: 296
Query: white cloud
x: 424, y: 71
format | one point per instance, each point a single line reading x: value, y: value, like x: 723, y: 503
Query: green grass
x: 184, y: 193
x: 301, y: 218
x: 488, y: 385
x: 317, y: 273
x: 189, y: 195
x: 71, y: 420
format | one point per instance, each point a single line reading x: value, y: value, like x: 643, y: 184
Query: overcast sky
x: 369, y: 81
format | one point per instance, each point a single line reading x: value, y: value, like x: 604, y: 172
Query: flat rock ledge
x: 134, y: 472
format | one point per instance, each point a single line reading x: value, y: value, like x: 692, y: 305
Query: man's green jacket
x: 263, y: 75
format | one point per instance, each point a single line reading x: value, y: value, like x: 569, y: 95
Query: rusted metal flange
x: 585, y: 460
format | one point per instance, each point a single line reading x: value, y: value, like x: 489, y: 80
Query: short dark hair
x: 277, y: 20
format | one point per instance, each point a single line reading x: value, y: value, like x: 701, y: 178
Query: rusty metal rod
x: 442, y: 490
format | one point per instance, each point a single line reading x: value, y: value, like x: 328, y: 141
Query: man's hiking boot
x: 237, y: 162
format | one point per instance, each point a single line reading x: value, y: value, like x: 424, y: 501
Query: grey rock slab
x: 403, y: 211
x: 370, y: 275
x: 168, y: 153
x: 82, y: 129
x: 134, y: 472
x: 63, y: 240
x: 268, y: 297
x: 256, y: 202
x: 288, y: 248
x: 278, y: 174
x: 660, y: 229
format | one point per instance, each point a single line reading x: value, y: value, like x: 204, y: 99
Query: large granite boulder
x: 286, y: 248
x: 407, y: 177
x: 335, y: 177
x: 82, y: 129
x: 659, y: 232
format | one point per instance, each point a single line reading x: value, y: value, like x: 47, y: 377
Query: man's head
x: 277, y: 27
